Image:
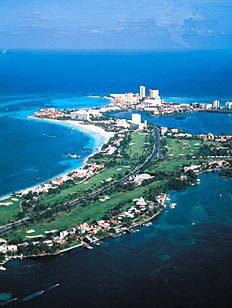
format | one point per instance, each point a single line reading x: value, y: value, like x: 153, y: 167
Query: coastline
x: 140, y: 223
x: 85, y: 128
x: 89, y: 130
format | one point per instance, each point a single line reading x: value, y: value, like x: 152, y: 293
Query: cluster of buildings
x: 85, y: 172
x: 5, y: 248
x: 135, y: 122
x: 139, y: 178
x: 89, y: 231
x: 86, y: 114
x: 155, y: 104
x: 51, y: 113
x: 219, y: 138
x: 214, y: 106
x: 174, y: 132
x: 213, y: 164
x: 84, y: 231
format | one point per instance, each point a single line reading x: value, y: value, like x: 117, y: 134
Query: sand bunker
x: 35, y: 236
x: 51, y: 231
x: 6, y: 203
x: 30, y: 231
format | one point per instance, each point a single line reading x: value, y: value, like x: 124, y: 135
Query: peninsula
x: 123, y: 184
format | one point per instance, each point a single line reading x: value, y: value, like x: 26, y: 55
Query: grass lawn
x: 90, y: 184
x: 183, y: 147
x: 78, y: 215
x: 136, y: 145
x: 135, y: 149
x: 7, y: 212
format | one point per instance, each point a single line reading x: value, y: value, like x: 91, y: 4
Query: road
x: 17, y: 223
x: 156, y: 152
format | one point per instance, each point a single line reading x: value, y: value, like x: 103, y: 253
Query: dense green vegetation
x: 53, y: 212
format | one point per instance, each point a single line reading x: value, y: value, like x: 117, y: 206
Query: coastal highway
x: 17, y: 223
x: 156, y: 152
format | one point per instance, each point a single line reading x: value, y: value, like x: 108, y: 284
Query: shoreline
x: 88, y: 130
x: 85, y: 128
x: 140, y: 223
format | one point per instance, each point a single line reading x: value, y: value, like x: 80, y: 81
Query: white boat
x: 73, y: 155
x: 89, y: 247
x: 2, y: 268
x: 172, y: 205
x: 148, y: 224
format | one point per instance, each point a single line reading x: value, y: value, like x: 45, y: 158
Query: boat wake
x: 52, y: 287
x: 27, y: 298
x: 9, y: 301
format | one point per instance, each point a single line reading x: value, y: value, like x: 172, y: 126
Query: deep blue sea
x: 174, y: 263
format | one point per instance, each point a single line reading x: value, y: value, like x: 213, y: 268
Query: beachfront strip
x: 123, y: 184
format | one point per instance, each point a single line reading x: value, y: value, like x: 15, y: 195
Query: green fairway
x: 96, y: 210
x: 78, y: 215
x: 136, y: 145
x: 135, y: 149
x: 7, y: 212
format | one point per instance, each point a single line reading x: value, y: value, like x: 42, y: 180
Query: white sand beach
x: 85, y: 128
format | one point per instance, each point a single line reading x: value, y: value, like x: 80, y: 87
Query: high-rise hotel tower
x: 142, y: 91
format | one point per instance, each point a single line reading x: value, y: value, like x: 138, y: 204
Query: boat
x: 73, y: 155
x: 2, y: 268
x: 220, y: 195
x: 148, y: 224
x: 172, y: 205
x: 89, y: 247
x: 52, y: 287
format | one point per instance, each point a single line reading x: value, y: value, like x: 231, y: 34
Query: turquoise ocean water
x: 184, y: 258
